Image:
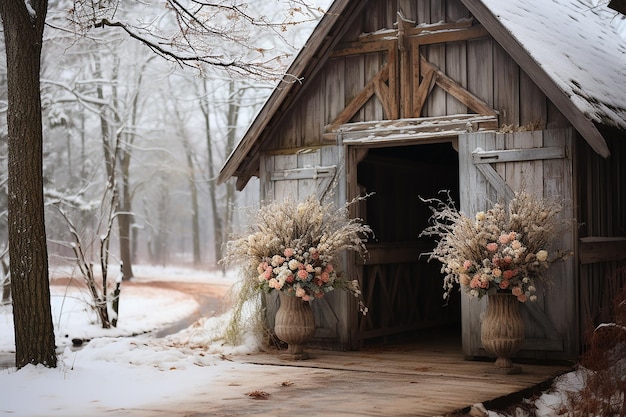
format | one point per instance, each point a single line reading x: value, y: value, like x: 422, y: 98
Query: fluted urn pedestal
x: 502, y: 331
x: 294, y: 325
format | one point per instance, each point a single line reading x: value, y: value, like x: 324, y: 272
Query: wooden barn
x: 404, y: 98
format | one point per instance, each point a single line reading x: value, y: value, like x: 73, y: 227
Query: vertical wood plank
x: 373, y: 109
x: 456, y: 57
x: 436, y: 103
x: 266, y: 186
x: 334, y: 84
x: 423, y: 11
x: 354, y: 81
x: 558, y: 183
x: 480, y: 69
x: 456, y: 68
x: 475, y: 193
x: 408, y: 8
x: 555, y: 119
x: 285, y: 189
x: 506, y: 86
x: 308, y: 186
x: 533, y: 104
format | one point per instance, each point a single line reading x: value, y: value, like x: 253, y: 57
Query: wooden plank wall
x: 550, y: 322
x: 481, y: 66
x: 601, y: 213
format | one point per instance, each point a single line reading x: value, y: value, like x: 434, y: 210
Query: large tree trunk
x: 28, y: 254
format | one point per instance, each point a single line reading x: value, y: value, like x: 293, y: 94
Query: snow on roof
x: 580, y: 44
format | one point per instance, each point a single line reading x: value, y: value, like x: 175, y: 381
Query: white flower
x: 542, y: 255
x: 294, y: 264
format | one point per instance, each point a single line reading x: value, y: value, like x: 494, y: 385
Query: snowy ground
x: 117, y: 371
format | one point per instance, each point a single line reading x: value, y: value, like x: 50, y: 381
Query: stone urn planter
x: 502, y: 330
x: 294, y: 324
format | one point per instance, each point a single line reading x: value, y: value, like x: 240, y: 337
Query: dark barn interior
x: 402, y: 290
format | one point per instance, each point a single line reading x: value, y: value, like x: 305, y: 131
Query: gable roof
x: 570, y: 48
x: 573, y: 51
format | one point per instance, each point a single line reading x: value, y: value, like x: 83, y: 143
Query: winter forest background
x: 134, y: 140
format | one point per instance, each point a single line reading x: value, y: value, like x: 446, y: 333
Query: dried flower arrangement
x: 505, y: 248
x: 293, y: 247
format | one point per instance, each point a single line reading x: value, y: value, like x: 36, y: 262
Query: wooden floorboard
x: 410, y: 379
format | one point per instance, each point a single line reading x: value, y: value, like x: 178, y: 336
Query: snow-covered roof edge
x: 529, y: 31
x: 573, y: 51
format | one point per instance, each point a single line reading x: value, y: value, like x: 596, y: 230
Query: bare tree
x: 98, y: 289
x: 23, y: 24
x: 193, y: 188
x: 225, y: 34
x: 209, y: 34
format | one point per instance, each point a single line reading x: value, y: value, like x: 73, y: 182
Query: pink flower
x: 522, y: 298
x: 329, y: 268
x: 300, y: 292
x: 261, y: 268
x: 277, y: 260
x: 325, y: 277
x: 496, y: 272
x: 492, y: 247
x: 268, y: 273
x: 302, y: 274
x: 475, y: 282
x: 288, y: 252
x: 504, y: 238
x: 467, y: 265
x: 290, y: 279
x: 504, y: 284
x: 508, y: 274
x: 309, y: 268
x: 517, y: 291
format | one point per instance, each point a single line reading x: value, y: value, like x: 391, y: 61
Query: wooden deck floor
x: 409, y: 379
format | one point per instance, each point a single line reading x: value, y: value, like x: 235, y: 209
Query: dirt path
x: 211, y: 300
x: 211, y: 297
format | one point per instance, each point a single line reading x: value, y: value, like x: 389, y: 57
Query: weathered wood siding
x: 601, y: 214
x: 297, y: 175
x: 550, y: 322
x: 481, y: 66
x: 365, y: 83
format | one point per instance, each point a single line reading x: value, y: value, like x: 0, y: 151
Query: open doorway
x: 401, y: 289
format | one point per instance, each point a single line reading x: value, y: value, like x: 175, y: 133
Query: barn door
x: 298, y: 175
x: 492, y: 167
